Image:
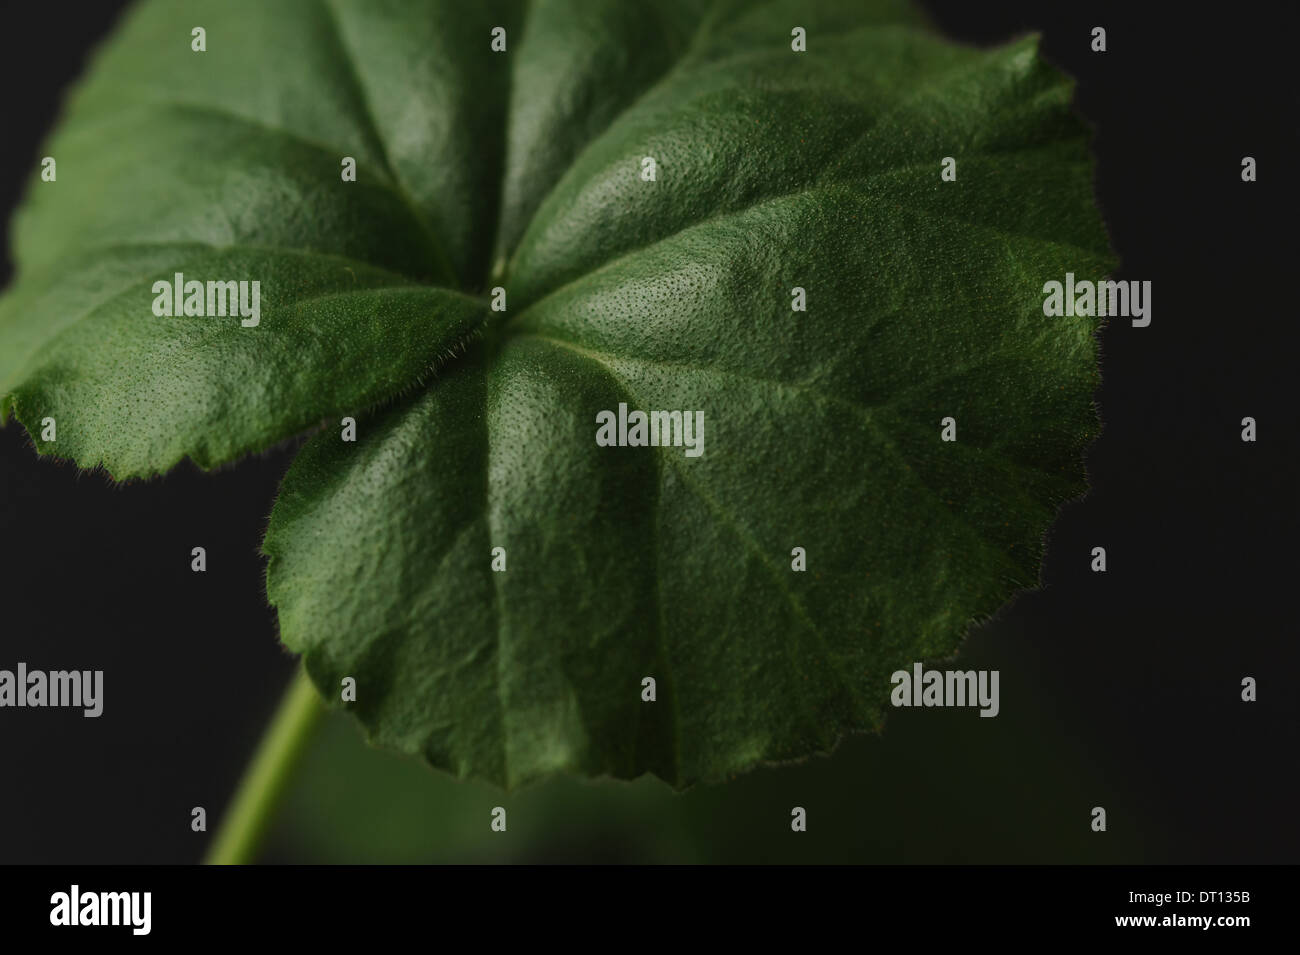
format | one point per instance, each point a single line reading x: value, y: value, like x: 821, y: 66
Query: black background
x: 1144, y: 663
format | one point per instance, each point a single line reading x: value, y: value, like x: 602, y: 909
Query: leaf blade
x: 136, y: 393
x: 816, y: 170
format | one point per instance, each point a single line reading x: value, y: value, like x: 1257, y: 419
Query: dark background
x: 1119, y: 689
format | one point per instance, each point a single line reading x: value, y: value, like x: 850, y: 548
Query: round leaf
x: 498, y: 582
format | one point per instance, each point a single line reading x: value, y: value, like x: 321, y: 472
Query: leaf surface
x: 774, y: 170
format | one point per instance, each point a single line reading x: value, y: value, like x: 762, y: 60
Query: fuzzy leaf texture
x: 476, y: 428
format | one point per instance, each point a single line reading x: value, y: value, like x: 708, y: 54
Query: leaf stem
x: 239, y: 837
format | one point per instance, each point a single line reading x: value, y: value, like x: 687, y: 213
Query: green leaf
x: 226, y: 165
x: 775, y: 170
